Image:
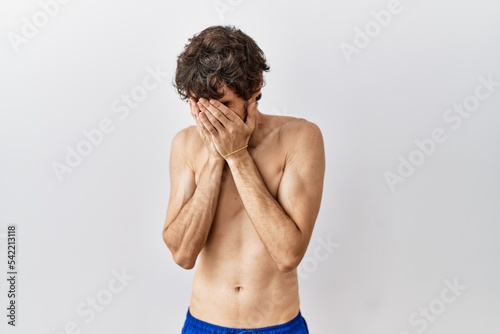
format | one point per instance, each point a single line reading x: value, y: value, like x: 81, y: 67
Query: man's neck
x: 259, y: 131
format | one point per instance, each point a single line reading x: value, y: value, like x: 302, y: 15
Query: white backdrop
x: 407, y: 95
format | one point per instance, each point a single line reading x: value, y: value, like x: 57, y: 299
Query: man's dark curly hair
x: 217, y: 56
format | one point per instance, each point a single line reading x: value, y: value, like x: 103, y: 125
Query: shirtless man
x: 245, y: 192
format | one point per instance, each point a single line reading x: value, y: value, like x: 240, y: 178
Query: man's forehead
x: 226, y: 92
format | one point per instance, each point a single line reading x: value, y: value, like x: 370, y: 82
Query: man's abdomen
x: 242, y: 288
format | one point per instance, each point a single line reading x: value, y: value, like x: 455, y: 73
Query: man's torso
x: 236, y: 283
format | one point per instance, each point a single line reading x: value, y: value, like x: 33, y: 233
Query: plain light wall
x: 395, y: 249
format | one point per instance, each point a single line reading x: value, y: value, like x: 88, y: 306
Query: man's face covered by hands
x: 225, y: 124
x: 231, y: 100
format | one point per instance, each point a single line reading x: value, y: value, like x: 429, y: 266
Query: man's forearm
x: 278, y: 232
x: 188, y: 232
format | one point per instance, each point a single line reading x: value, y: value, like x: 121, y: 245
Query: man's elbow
x: 289, y: 264
x: 181, y: 258
x: 184, y: 262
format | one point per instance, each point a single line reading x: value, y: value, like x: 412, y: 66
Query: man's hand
x: 204, y: 134
x: 228, y: 132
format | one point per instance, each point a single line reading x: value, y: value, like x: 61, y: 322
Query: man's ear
x: 257, y: 93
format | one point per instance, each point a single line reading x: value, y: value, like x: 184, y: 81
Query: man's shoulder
x: 186, y: 137
x: 297, y: 129
x: 299, y: 136
x: 185, y: 143
x: 185, y: 133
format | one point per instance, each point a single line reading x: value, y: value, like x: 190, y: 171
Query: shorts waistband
x: 208, y: 328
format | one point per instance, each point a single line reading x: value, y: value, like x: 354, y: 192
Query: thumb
x: 251, y: 114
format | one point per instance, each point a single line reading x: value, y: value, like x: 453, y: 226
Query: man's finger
x: 198, y: 122
x: 231, y: 115
x: 215, y: 122
x: 220, y: 111
x: 251, y: 114
x: 214, y: 115
x: 200, y: 128
x: 205, y: 135
x: 203, y: 132
x: 207, y: 124
x: 194, y: 108
x: 219, y: 115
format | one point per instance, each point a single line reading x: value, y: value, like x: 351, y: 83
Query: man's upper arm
x: 301, y: 186
x: 182, y: 180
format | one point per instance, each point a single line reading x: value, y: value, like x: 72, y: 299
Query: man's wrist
x: 237, y: 157
x: 213, y: 160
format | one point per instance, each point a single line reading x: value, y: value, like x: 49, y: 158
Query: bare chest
x: 269, y: 161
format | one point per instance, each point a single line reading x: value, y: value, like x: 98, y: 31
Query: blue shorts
x: 194, y: 326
